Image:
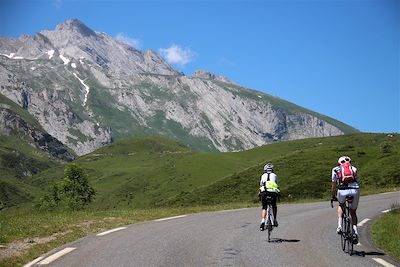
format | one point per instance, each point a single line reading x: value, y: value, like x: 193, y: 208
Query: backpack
x: 346, y: 174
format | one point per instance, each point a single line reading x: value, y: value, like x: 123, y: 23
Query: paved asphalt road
x: 305, y: 237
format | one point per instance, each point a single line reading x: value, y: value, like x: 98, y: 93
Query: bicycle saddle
x: 349, y: 199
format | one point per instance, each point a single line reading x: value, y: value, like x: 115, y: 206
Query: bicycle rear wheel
x: 269, y: 223
x: 350, y: 238
x: 349, y: 233
x: 344, y: 231
x: 269, y: 231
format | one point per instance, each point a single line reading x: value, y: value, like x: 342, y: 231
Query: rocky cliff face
x: 85, y: 88
x: 12, y: 124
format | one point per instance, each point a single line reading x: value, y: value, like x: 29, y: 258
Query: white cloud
x: 177, y: 55
x: 57, y: 3
x: 124, y: 38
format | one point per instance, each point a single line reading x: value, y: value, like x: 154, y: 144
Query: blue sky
x: 340, y: 58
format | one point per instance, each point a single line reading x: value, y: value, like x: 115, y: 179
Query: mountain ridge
x: 87, y: 89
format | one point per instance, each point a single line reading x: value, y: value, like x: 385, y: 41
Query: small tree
x: 73, y: 192
x: 75, y: 189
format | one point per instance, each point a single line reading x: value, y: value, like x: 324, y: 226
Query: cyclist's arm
x: 355, y: 173
x: 262, y: 180
x: 334, y: 179
x: 334, y: 189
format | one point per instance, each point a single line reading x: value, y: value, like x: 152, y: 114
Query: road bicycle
x: 346, y: 237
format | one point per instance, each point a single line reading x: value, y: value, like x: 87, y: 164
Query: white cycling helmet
x: 343, y: 159
x: 269, y: 167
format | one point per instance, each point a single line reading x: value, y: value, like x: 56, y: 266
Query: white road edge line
x: 33, y: 262
x: 56, y: 256
x: 383, y: 262
x: 170, y: 218
x: 386, y: 211
x: 363, y: 222
x: 111, y: 231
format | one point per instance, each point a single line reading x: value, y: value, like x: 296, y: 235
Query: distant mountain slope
x: 87, y: 89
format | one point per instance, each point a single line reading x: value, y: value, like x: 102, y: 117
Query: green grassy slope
x: 153, y: 171
x: 19, y: 161
x: 304, y: 168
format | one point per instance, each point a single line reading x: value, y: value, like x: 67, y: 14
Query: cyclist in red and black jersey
x: 341, y: 190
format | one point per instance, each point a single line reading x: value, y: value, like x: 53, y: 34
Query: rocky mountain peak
x: 203, y: 74
x: 76, y: 26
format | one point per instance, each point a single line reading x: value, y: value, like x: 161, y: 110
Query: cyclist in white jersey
x: 340, y: 191
x: 268, y: 187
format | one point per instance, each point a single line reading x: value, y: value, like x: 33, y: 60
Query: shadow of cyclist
x: 371, y: 253
x: 281, y: 240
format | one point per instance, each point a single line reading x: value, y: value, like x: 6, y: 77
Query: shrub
x: 386, y: 148
x: 72, y: 192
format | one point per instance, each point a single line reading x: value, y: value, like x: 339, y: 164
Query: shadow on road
x: 280, y: 240
x: 363, y: 253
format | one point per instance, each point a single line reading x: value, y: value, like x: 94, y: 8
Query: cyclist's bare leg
x: 340, y: 214
x: 340, y: 210
x: 354, y: 219
x: 263, y: 215
x: 354, y: 216
x: 275, y: 211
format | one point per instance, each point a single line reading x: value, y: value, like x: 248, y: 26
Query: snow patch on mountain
x: 50, y: 53
x: 87, y: 88
x: 11, y: 55
x: 64, y: 59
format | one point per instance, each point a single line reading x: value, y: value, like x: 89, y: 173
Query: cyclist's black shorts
x: 268, y: 197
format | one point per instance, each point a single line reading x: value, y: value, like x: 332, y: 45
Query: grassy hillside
x: 151, y: 171
x: 143, y: 172
x: 304, y: 168
x: 19, y: 161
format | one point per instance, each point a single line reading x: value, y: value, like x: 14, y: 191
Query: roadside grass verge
x: 386, y: 230
x: 25, y: 235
